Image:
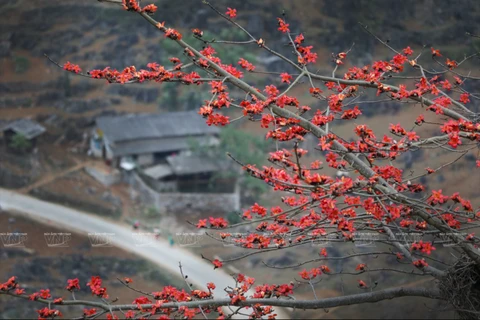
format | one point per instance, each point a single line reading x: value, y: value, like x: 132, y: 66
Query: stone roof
x: 133, y: 127
x: 172, y: 144
x: 186, y: 164
x: 26, y: 127
x: 159, y: 171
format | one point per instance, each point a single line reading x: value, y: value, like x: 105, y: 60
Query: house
x: 191, y: 173
x: 147, y: 139
x: 28, y: 129
x: 155, y: 157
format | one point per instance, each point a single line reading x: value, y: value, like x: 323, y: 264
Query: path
x: 50, y: 177
x: 160, y: 252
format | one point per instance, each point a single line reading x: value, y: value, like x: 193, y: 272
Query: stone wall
x: 105, y: 178
x: 186, y: 203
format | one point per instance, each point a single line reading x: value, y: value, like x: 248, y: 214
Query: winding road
x: 159, y: 252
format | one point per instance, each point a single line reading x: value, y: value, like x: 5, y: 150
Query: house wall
x: 109, y: 152
x: 159, y: 185
x: 145, y: 159
x: 96, y: 147
x: 185, y: 203
x: 105, y: 178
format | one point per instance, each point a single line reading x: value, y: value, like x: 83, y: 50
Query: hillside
x: 95, y: 35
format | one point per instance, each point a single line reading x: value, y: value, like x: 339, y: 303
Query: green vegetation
x: 233, y: 218
x: 22, y: 64
x: 20, y: 143
x: 152, y: 213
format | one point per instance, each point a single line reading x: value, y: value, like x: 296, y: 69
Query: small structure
x: 147, y: 139
x: 27, y: 129
x: 191, y: 173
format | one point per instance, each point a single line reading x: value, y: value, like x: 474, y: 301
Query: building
x: 28, y: 129
x: 155, y: 157
x: 148, y: 139
x: 191, y: 173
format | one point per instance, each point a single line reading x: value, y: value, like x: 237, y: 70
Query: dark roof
x: 153, y: 126
x: 184, y: 164
x: 26, y: 127
x: 159, y: 171
x: 124, y: 148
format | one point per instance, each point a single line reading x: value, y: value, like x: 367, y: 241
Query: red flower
x: 58, y: 301
x: 464, y: 98
x: 361, y: 267
x: 285, y: 77
x: 73, y: 284
x: 217, y: 263
x: 325, y: 269
x: 211, y: 286
x: 282, y: 26
x: 127, y: 280
x: 451, y: 64
x: 271, y: 90
x: 173, y: 34
x: 420, y: 119
x: 407, y: 51
x: 362, y: 284
x: 33, y: 296
x: 299, y: 39
x: 45, y: 294
x: 304, y: 274
x: 315, y: 91
x: 420, y: 263
x: 89, y: 312
x: 19, y: 291
x: 49, y: 313
x: 141, y: 300
x: 197, y: 32
x: 72, y: 67
x: 150, y: 9
x: 232, y: 13
x: 435, y: 52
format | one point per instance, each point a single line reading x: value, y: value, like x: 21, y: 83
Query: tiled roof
x: 153, y: 126
x: 26, y: 127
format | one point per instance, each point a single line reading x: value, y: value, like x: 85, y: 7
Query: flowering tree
x: 373, y: 195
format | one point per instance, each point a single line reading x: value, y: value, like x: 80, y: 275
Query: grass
x: 22, y: 64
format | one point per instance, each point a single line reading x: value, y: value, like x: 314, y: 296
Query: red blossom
x: 435, y: 52
x: 408, y: 51
x: 73, y: 284
x: 89, y: 312
x: 246, y: 65
x: 150, y: 9
x: 72, y: 67
x: 299, y: 39
x: 464, y: 98
x: 361, y: 267
x: 217, y: 264
x: 232, y: 13
x: 285, y: 77
x: 282, y: 26
x: 451, y: 64
x: 49, y: 313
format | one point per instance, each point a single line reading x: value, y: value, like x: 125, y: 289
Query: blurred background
x: 56, y: 163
